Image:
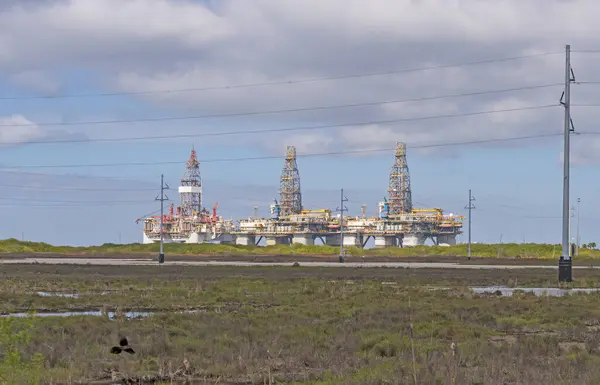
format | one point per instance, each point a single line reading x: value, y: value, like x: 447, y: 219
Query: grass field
x: 295, y: 325
x: 509, y: 250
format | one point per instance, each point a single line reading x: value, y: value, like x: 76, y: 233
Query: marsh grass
x: 303, y: 329
x: 508, y: 250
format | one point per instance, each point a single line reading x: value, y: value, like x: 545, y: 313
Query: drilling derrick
x: 290, y: 201
x: 190, y: 189
x: 400, y: 196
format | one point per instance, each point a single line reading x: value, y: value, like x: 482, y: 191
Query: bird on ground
x: 123, y: 347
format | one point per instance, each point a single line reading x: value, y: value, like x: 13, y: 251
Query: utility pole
x: 571, y: 215
x: 341, y: 209
x: 470, y: 207
x: 578, y: 239
x: 162, y: 198
x: 565, y: 264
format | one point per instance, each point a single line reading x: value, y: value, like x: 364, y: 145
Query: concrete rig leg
x: 354, y: 240
x: 245, y: 240
x: 303, y: 239
x: 271, y: 241
x: 382, y: 241
x: 446, y: 240
x: 333, y: 240
x: 413, y: 240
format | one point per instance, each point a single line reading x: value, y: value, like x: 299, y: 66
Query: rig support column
x: 278, y: 240
x: 303, y: 239
x: 383, y: 241
x: 413, y: 240
x: 245, y: 240
x: 446, y: 240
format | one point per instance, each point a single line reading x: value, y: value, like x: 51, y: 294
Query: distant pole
x: 578, y: 239
x: 341, y: 209
x: 162, y: 198
x: 470, y: 207
x: 571, y: 215
x: 565, y: 264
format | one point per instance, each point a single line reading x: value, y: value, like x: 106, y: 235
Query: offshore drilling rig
x: 398, y: 223
x: 189, y: 222
x: 289, y: 222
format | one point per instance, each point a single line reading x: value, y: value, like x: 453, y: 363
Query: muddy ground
x: 421, y: 276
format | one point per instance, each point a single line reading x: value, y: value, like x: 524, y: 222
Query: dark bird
x: 124, y: 347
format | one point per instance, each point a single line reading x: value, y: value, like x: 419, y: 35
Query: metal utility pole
x: 578, y: 239
x: 470, y: 207
x: 162, y: 198
x: 565, y: 264
x: 571, y: 215
x: 341, y: 209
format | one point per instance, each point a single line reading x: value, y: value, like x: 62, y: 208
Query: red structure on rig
x: 190, y: 222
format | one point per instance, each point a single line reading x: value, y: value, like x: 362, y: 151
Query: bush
x: 14, y: 368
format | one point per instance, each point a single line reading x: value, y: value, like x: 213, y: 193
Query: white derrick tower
x: 190, y: 189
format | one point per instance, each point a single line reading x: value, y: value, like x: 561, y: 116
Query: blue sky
x: 517, y: 184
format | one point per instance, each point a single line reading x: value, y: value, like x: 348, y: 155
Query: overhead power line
x: 280, y: 111
x: 449, y: 144
x: 79, y: 206
x: 280, y: 82
x: 74, y: 201
x: 35, y: 187
x: 301, y: 128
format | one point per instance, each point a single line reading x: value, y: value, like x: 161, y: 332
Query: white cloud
x: 585, y: 150
x: 28, y: 131
x: 144, y: 45
x: 18, y: 130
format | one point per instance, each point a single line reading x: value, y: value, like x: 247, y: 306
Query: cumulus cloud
x: 142, y: 45
x: 17, y: 129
